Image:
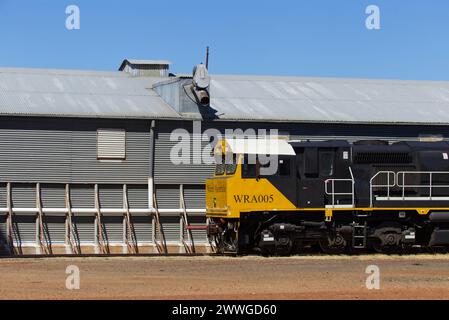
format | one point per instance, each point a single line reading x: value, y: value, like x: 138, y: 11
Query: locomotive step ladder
x: 359, y: 236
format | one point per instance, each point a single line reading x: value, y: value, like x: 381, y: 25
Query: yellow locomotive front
x: 240, y: 185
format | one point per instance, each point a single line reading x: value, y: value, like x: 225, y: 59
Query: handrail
x: 430, y: 185
x: 388, y: 185
x: 333, y: 193
x: 350, y: 171
x: 399, y: 181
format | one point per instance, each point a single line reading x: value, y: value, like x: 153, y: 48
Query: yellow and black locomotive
x: 335, y: 194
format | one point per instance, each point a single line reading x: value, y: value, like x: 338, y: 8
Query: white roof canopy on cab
x: 254, y: 146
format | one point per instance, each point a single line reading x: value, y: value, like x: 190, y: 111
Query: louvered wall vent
x: 111, y: 144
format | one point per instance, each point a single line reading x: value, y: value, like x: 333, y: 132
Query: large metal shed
x: 85, y: 155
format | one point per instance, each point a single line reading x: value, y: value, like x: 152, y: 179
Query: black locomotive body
x: 336, y: 194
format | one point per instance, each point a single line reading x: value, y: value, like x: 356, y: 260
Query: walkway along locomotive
x: 335, y: 194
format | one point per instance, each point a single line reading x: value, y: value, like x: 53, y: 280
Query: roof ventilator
x: 200, y: 85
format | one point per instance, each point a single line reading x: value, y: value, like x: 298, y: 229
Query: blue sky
x: 304, y: 38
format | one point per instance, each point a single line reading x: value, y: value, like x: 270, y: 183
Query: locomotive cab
x: 324, y: 173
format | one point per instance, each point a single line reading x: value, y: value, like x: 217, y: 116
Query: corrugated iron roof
x: 75, y: 93
x: 329, y: 99
x: 41, y: 92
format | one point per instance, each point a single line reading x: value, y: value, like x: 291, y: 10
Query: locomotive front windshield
x: 226, y: 165
x: 220, y: 169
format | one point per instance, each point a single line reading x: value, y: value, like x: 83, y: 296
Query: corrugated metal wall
x: 84, y: 228
x: 195, y: 196
x: 54, y: 228
x: 53, y: 195
x: 171, y: 227
x: 87, y: 169
x: 143, y: 229
x: 24, y: 230
x: 82, y: 196
x: 199, y: 236
x: 65, y: 151
x: 113, y: 229
x: 23, y: 195
x: 166, y: 172
x: 111, y: 196
x: 2, y: 194
x: 25, y: 149
x: 167, y: 196
x: 138, y: 196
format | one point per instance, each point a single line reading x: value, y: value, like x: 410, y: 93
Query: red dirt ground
x: 301, y: 277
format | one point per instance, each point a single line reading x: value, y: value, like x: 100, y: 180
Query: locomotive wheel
x: 388, y: 238
x: 229, y: 242
x: 324, y: 246
x: 226, y: 243
x: 333, y: 246
x: 283, y: 251
x: 219, y: 243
